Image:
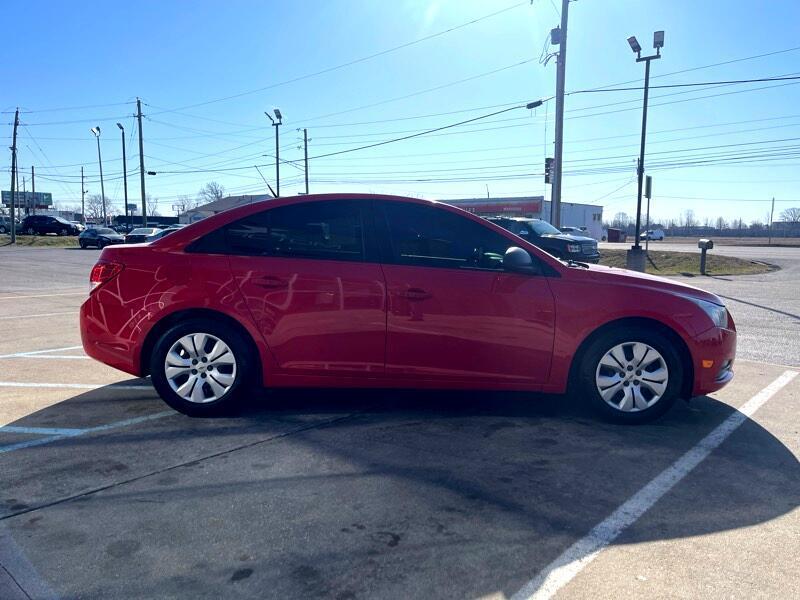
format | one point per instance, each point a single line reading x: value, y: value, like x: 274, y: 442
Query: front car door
x: 454, y: 313
x: 311, y: 279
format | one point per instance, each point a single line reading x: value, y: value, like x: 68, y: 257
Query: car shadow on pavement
x: 351, y: 493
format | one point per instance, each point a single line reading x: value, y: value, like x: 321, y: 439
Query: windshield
x: 542, y: 228
x: 106, y: 231
x: 142, y: 231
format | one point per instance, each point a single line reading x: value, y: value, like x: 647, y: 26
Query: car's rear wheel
x: 62, y: 231
x: 82, y: 244
x: 2, y: 229
x: 631, y: 375
x: 30, y: 231
x: 201, y: 368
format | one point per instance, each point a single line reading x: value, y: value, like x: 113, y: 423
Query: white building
x: 536, y: 207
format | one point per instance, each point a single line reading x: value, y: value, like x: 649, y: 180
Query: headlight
x: 573, y: 247
x: 718, y: 314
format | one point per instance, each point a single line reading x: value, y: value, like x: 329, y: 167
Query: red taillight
x: 103, y: 272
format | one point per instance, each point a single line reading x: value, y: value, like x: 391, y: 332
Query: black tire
x: 2, y: 229
x: 243, y: 378
x: 62, y: 231
x: 597, y: 349
x: 30, y: 231
x: 101, y: 244
x: 82, y: 245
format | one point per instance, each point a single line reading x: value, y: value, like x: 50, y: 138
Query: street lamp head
x: 278, y: 114
x: 95, y: 131
x: 533, y: 104
x: 634, y: 44
x: 120, y: 126
x: 658, y: 40
x: 152, y: 173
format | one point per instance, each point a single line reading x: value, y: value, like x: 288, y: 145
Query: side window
x: 432, y: 237
x: 325, y: 230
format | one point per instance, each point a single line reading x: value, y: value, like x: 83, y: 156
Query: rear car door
x: 310, y: 275
x: 454, y: 313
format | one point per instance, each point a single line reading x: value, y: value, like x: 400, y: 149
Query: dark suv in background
x: 44, y: 224
x: 548, y: 238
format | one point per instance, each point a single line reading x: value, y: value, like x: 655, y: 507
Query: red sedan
x: 355, y: 290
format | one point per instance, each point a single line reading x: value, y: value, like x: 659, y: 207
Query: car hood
x: 603, y: 274
x: 569, y: 237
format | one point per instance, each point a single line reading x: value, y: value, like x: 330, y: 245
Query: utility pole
x: 648, y: 191
x: 141, y: 162
x: 635, y: 259
x: 771, y: 211
x: 561, y: 69
x: 13, y: 176
x: 83, y: 196
x: 33, y: 189
x: 305, y: 154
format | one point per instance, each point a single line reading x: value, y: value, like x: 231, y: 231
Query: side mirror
x: 518, y: 260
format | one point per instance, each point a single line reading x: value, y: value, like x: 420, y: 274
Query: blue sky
x: 84, y: 65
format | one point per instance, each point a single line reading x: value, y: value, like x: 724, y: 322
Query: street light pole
x: 636, y: 256
x: 125, y: 174
x: 96, y: 132
x: 276, y: 124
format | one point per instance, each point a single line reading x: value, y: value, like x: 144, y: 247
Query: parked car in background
x: 574, y: 230
x: 652, y: 234
x: 163, y: 232
x: 100, y: 237
x: 79, y: 225
x: 140, y: 234
x: 44, y: 224
x: 543, y: 235
x: 5, y: 224
x: 344, y: 290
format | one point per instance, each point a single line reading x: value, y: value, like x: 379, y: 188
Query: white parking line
x: 53, y: 314
x: 564, y: 568
x: 86, y: 293
x: 73, y: 386
x: 47, y: 356
x: 35, y: 352
x: 79, y: 432
x: 39, y: 430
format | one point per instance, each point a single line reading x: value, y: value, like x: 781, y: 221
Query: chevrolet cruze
x: 354, y: 290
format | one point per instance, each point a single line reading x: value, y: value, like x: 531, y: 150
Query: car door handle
x: 270, y: 282
x: 416, y: 294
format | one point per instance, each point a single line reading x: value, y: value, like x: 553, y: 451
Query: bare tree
x: 94, y: 208
x: 689, y: 221
x: 791, y: 215
x: 721, y: 223
x: 620, y: 220
x: 183, y: 204
x: 152, y: 205
x: 210, y: 192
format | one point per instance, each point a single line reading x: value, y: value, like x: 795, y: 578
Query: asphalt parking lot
x: 343, y: 494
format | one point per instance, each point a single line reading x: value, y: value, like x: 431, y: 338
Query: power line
x: 352, y: 62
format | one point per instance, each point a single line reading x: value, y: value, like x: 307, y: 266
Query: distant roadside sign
x: 23, y: 199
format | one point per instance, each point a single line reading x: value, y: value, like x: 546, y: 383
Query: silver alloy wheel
x: 200, y: 368
x: 632, y: 376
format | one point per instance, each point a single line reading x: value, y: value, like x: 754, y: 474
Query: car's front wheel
x: 201, y: 368
x: 30, y: 231
x: 631, y: 375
